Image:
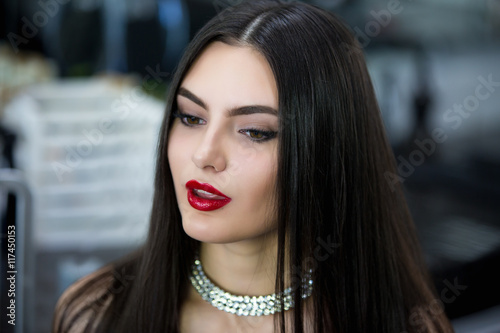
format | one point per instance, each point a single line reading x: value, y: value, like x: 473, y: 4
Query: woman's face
x: 222, y: 146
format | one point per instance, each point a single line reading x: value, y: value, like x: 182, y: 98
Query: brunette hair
x: 337, y: 214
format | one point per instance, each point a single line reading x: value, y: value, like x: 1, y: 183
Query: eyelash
x: 266, y: 135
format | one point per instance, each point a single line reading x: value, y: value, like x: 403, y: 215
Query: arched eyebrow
x: 238, y: 111
x: 192, y: 97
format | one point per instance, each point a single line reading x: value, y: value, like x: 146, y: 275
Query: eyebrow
x: 238, y: 111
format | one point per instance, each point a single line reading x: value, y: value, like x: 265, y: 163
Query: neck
x: 242, y: 268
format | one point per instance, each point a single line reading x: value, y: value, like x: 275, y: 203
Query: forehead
x: 232, y: 75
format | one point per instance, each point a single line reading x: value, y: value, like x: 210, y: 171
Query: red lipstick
x: 205, y: 197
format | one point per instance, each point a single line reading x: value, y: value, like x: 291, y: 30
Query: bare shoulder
x: 82, y: 305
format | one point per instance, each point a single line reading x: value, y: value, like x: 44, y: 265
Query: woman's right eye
x: 189, y: 120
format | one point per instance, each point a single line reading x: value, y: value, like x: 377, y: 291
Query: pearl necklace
x: 245, y: 305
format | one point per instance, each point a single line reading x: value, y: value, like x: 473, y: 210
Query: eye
x: 259, y: 135
x: 255, y: 134
x: 188, y: 119
x: 191, y: 120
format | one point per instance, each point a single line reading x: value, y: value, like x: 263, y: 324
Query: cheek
x: 177, y: 147
x: 176, y: 154
x: 260, y: 182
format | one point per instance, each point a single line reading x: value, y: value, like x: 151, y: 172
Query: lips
x: 205, y: 197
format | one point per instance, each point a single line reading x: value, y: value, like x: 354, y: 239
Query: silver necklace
x: 245, y: 305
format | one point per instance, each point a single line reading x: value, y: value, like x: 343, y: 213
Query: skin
x: 237, y: 155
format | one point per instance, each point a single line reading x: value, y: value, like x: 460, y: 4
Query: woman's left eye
x: 259, y: 135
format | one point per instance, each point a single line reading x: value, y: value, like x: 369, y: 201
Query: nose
x: 210, y: 152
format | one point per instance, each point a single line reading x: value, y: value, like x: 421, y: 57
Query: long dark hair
x: 337, y: 214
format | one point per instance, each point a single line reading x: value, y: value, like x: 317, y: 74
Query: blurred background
x: 82, y: 87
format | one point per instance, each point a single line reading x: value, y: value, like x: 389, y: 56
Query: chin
x: 215, y: 234
x: 205, y: 231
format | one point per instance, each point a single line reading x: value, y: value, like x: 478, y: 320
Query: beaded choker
x: 245, y: 305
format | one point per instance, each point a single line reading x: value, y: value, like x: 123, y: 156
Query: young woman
x: 271, y: 211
